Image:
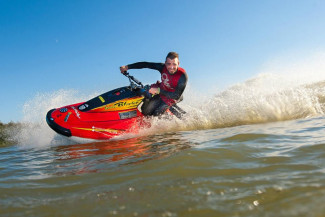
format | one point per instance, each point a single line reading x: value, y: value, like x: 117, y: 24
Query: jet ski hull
x: 106, y: 116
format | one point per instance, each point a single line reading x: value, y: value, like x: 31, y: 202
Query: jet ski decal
x: 101, y: 99
x: 123, y: 104
x: 67, y: 117
x: 93, y: 129
x: 126, y: 115
x: 76, y: 111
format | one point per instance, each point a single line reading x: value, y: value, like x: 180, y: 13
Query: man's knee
x: 160, y: 110
x: 145, y: 111
x: 148, y: 107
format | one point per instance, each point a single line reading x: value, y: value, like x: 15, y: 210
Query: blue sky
x: 50, y: 45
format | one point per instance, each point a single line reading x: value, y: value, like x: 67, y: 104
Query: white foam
x: 35, y: 132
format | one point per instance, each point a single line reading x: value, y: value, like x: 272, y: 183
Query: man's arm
x: 141, y: 65
x: 178, y: 90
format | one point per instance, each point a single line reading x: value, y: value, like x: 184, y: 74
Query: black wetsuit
x: 171, y: 88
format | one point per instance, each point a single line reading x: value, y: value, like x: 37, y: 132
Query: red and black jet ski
x: 105, y: 116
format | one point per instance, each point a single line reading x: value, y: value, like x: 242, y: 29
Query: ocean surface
x: 271, y: 169
x: 254, y: 149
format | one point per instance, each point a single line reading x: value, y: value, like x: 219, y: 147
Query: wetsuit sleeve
x: 141, y: 65
x: 178, y: 90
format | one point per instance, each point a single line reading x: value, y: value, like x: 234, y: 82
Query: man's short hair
x: 172, y: 55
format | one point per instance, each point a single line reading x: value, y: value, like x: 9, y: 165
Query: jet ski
x: 108, y: 115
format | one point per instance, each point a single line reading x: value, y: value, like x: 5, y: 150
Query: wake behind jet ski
x: 113, y: 113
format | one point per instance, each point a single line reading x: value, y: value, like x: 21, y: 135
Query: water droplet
x: 278, y: 188
x: 114, y: 212
x: 167, y: 214
x: 131, y: 189
x: 256, y: 203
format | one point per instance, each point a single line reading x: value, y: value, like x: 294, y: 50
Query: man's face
x: 172, y: 65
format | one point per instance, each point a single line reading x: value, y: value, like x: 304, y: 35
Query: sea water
x: 254, y: 149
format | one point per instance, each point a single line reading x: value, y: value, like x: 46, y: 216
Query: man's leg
x: 160, y: 109
x: 155, y: 106
x: 149, y: 105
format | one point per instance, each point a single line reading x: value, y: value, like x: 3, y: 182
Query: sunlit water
x: 255, y: 149
x: 273, y: 169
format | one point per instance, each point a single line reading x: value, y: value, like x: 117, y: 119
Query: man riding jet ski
x: 167, y: 92
x: 116, y: 112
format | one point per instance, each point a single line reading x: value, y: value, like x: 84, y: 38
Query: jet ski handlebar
x: 131, y: 78
x: 135, y: 84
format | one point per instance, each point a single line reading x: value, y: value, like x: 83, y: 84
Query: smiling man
x: 167, y: 92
